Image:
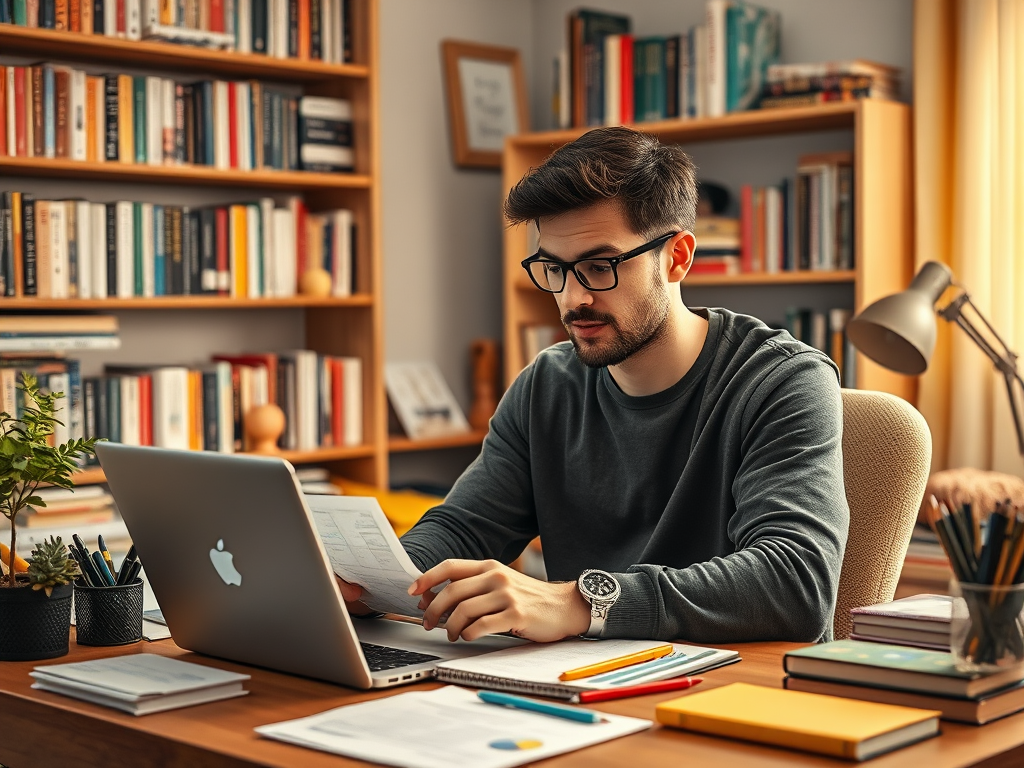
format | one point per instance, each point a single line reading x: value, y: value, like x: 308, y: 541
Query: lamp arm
x: 1005, y: 361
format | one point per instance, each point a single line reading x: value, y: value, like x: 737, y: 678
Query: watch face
x: 597, y: 584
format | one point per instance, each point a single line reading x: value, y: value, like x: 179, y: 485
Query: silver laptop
x: 229, y: 547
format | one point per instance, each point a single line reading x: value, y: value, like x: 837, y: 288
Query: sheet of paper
x: 364, y: 550
x: 152, y: 630
x: 445, y: 727
x: 544, y: 662
x: 141, y: 674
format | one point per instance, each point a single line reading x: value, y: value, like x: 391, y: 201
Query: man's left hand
x: 487, y: 597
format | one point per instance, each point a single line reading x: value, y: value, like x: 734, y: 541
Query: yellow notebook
x: 830, y: 725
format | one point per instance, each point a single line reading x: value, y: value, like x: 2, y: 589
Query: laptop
x: 229, y: 547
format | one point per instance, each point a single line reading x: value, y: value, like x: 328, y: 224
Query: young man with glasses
x: 682, y: 467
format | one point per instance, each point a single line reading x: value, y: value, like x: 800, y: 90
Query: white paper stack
x: 141, y: 683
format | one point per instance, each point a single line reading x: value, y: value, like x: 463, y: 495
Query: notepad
x: 534, y: 668
x: 828, y: 725
x: 443, y: 728
x: 140, y: 683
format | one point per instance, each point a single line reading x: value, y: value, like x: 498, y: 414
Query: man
x: 682, y: 467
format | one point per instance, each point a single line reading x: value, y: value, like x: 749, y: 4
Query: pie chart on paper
x: 516, y: 744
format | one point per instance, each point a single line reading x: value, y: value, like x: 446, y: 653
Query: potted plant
x: 35, y: 605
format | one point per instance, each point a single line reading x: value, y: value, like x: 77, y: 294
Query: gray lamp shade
x: 898, y: 331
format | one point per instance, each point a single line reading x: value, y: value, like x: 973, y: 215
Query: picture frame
x: 486, y: 100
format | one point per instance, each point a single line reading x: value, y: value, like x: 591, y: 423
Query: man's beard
x: 644, y: 325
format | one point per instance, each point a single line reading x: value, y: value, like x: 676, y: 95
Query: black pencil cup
x: 109, y: 615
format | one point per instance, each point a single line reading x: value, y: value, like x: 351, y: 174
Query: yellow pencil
x: 617, y: 663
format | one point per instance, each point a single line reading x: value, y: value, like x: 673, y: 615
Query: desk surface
x: 44, y: 730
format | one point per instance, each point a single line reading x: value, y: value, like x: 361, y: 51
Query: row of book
x: 806, y: 223
x: 826, y: 331
x: 56, y: 111
x: 608, y: 76
x: 301, y: 29
x: 59, y: 249
x: 200, y: 407
x: 807, y: 84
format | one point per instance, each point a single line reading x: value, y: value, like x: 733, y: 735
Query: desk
x: 44, y: 730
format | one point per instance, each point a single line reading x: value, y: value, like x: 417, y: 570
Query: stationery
x: 536, y: 668
x: 446, y: 727
x: 532, y: 705
x: 662, y: 686
x: 140, y: 683
x: 829, y: 725
x: 617, y: 663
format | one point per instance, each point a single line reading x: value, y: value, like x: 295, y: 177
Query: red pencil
x: 675, y: 684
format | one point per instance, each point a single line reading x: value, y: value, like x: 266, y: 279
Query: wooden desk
x: 44, y: 730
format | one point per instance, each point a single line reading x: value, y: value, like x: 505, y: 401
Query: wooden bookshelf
x: 336, y: 326
x: 402, y: 444
x: 881, y: 133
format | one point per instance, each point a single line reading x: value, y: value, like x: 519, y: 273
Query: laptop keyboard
x: 380, y: 657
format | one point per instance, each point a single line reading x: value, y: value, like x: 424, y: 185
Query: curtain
x: 969, y: 213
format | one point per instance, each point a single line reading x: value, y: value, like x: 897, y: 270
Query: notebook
x: 534, y: 669
x: 140, y: 683
x: 828, y: 725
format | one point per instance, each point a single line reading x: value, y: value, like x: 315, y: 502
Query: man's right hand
x: 351, y: 593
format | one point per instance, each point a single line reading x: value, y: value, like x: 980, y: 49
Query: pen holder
x: 108, y: 615
x: 986, y: 633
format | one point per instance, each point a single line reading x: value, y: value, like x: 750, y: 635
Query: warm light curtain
x: 969, y: 180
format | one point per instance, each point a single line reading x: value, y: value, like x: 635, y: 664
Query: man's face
x: 606, y: 327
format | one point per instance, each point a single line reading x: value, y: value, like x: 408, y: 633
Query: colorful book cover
x: 752, y: 45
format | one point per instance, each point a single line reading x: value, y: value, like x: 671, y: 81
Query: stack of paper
x: 141, y: 683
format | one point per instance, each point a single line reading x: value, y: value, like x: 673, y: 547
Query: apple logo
x: 222, y: 563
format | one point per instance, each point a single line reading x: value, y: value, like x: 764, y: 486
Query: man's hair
x: 654, y: 183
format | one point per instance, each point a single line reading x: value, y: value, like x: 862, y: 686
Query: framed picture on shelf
x: 486, y: 100
x: 422, y: 400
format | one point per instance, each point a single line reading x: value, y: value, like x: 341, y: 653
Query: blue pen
x: 531, y: 705
x: 101, y: 567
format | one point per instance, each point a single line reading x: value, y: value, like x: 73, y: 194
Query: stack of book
x: 826, y: 331
x: 926, y: 559
x: 31, y: 333
x: 302, y: 29
x: 65, y: 508
x: 718, y: 246
x: 910, y: 677
x: 800, y: 85
x: 608, y: 76
x: 61, y: 249
x: 919, y: 620
x: 325, y: 134
x: 140, y: 683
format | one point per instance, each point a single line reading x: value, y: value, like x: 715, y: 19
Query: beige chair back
x: 887, y: 450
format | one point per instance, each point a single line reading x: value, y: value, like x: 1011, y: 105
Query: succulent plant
x: 51, y: 565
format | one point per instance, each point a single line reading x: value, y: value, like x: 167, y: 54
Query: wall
x: 441, y: 224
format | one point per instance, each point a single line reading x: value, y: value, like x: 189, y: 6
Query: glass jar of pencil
x: 987, y: 629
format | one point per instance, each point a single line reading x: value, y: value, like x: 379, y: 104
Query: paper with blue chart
x: 443, y: 728
x: 364, y: 550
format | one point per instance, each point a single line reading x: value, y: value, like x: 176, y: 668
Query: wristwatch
x: 601, y: 590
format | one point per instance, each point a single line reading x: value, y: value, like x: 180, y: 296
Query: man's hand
x: 351, y: 593
x: 487, y: 597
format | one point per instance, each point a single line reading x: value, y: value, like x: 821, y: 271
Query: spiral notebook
x: 534, y: 668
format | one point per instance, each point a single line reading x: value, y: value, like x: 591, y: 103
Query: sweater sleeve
x: 489, y: 513
x: 789, y: 529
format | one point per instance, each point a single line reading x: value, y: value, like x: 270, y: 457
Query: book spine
x: 111, y: 229
x: 139, y: 118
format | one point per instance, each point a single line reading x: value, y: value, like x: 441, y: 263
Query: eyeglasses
x: 593, y: 274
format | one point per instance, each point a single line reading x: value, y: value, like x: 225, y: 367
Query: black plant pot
x: 32, y: 625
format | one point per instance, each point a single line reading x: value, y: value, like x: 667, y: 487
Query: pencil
x: 957, y: 560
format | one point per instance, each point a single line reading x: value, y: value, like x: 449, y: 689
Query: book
x: 140, y: 683
x: 977, y: 711
x: 893, y: 666
x: 922, y: 620
x: 534, y: 668
x: 828, y: 725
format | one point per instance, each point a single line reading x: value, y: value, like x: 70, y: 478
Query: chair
x: 887, y: 450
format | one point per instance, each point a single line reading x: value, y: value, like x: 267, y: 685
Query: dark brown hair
x: 655, y: 183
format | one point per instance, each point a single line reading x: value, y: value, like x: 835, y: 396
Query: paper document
x: 443, y: 728
x: 364, y: 550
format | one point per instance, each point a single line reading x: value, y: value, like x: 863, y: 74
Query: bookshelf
x: 880, y: 132
x: 350, y: 325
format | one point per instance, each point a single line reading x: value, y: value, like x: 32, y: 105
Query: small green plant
x: 50, y: 565
x: 27, y: 460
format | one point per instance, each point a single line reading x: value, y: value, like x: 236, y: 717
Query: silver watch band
x: 598, y: 614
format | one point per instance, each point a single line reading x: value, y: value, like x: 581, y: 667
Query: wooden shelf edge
x: 775, y: 278
x: 397, y: 444
x: 94, y: 475
x: 178, y: 174
x: 187, y: 302
x: 79, y: 47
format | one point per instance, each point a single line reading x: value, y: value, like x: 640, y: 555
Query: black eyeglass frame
x: 613, y: 262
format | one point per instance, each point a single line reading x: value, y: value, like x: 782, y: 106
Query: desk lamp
x: 898, y: 332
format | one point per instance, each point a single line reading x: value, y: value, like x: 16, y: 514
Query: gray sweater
x: 717, y: 503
